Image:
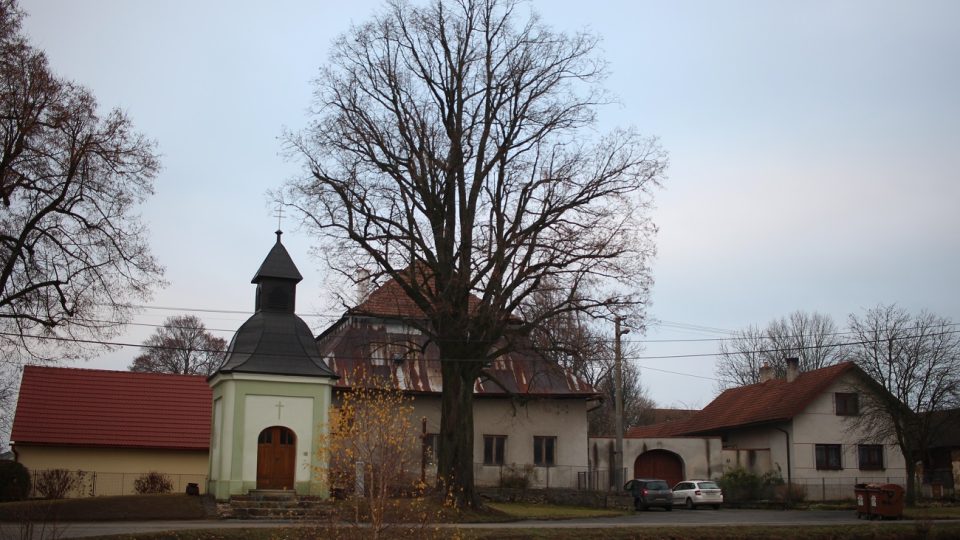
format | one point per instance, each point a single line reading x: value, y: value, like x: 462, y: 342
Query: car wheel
x: 643, y: 507
x: 690, y: 505
x: 716, y: 507
x: 668, y: 508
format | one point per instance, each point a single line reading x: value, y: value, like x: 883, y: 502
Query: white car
x: 694, y: 493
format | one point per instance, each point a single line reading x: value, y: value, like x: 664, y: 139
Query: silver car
x: 694, y: 493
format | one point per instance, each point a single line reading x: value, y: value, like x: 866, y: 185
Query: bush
x: 153, y: 482
x: 14, y: 481
x: 57, y: 483
x: 740, y: 485
x: 517, y: 477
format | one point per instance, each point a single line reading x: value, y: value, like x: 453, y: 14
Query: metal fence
x: 601, y: 480
x: 546, y: 477
x: 839, y: 488
x: 96, y: 483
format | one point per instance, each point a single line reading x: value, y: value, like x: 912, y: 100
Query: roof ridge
x: 103, y: 370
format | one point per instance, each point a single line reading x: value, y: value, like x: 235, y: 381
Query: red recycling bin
x: 878, y: 501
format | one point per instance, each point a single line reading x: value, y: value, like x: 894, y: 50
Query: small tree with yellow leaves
x: 373, y: 451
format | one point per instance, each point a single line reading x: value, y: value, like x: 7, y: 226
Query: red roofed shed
x: 118, y: 424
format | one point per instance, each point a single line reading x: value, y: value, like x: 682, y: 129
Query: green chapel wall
x: 320, y: 393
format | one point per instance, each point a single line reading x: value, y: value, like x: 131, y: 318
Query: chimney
x: 793, y: 369
x: 362, y: 280
x: 766, y: 372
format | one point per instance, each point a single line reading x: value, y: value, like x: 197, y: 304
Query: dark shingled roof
x: 275, y: 343
x: 771, y: 401
x: 274, y: 340
x: 91, y: 407
x: 278, y: 264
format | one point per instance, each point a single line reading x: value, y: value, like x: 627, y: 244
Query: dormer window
x: 847, y: 404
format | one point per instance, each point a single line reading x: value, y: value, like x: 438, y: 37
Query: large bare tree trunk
x: 911, y: 469
x: 455, y: 460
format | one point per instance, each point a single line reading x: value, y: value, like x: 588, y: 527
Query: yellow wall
x: 112, y: 471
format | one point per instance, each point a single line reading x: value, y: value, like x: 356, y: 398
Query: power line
x: 228, y: 311
x: 662, y: 357
x: 678, y: 373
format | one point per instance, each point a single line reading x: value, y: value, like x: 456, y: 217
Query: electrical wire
x: 624, y: 341
x: 362, y: 358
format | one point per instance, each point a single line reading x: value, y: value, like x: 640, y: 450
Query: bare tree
x: 637, y: 404
x: 813, y: 338
x: 577, y: 344
x: 73, y: 252
x: 454, y: 151
x: 9, y: 385
x: 182, y: 346
x: 741, y: 358
x: 915, y: 362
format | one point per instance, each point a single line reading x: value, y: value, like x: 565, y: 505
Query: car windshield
x: 657, y: 485
x: 709, y: 485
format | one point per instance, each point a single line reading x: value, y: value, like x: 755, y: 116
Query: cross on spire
x: 279, y: 216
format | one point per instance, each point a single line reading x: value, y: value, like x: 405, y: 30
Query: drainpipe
x: 789, y: 474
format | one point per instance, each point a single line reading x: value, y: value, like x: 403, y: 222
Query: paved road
x: 650, y: 518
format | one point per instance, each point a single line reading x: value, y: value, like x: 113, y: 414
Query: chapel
x: 272, y: 395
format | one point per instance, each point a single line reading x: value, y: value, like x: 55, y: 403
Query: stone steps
x: 275, y: 504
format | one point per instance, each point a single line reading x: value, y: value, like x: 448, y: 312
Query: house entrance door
x: 659, y: 464
x: 276, y: 457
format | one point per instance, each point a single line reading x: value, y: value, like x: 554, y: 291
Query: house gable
x: 768, y: 402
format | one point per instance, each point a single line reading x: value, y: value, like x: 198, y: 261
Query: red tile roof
x: 390, y: 300
x: 89, y: 407
x: 771, y: 401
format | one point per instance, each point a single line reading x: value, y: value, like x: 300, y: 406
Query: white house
x: 527, y: 411
x: 799, y: 427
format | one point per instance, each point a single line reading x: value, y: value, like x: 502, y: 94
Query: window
x: 828, y: 457
x: 544, y: 451
x: 493, y: 449
x: 847, y: 404
x: 430, y: 447
x: 286, y: 437
x: 870, y: 457
x: 266, y: 437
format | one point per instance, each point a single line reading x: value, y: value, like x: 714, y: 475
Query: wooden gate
x: 276, y: 458
x: 659, y: 464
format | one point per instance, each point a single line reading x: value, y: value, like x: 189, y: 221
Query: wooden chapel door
x: 276, y: 458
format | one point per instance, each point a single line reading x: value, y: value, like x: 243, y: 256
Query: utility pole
x: 618, y: 399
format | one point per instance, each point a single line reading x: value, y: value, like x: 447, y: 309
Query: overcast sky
x: 814, y: 151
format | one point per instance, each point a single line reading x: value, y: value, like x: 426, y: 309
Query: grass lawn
x: 547, y: 511
x: 932, y: 512
x: 128, y: 507
x: 888, y: 531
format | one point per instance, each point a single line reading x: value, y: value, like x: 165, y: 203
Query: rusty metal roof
x: 389, y: 349
x: 376, y: 337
